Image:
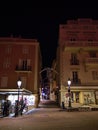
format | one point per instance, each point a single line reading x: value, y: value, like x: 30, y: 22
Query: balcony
x: 23, y: 69
x: 91, y: 61
x: 76, y: 81
x: 79, y: 45
x: 74, y: 62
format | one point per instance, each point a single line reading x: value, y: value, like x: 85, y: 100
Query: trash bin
x: 63, y: 107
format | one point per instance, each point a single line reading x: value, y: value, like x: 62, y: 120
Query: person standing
x: 16, y: 108
x: 5, y: 109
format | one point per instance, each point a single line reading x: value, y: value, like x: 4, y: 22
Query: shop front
x: 80, y: 95
x: 12, y: 95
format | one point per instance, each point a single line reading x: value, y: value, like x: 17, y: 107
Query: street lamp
x: 69, y: 93
x: 19, y: 82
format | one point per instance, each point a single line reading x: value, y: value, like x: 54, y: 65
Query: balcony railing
x: 74, y: 62
x: 91, y: 61
x: 76, y: 81
x: 81, y: 43
x: 23, y: 68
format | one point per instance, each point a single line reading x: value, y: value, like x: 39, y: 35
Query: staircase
x: 48, y: 104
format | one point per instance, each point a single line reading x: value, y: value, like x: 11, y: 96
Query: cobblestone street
x: 51, y: 119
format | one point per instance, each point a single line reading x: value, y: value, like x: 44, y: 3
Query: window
x: 74, y: 60
x: 24, y: 64
x: 95, y: 75
x: 92, y: 54
x: 25, y: 50
x: 73, y: 56
x: 75, y: 77
x: 72, y: 39
x: 6, y: 63
x: 8, y: 50
x: 4, y: 82
x: 24, y: 82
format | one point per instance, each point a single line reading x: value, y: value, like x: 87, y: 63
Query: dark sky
x: 42, y: 24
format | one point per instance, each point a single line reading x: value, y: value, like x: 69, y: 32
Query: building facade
x: 20, y: 58
x: 77, y: 59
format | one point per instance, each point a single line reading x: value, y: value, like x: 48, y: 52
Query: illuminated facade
x: 20, y: 58
x: 77, y: 59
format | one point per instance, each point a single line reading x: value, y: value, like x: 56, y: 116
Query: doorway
x: 77, y: 97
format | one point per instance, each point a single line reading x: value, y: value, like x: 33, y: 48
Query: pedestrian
x: 8, y: 106
x: 16, y: 108
x: 23, y: 105
x: 5, y: 109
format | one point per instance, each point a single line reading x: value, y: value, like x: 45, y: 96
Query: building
x: 77, y: 59
x: 54, y: 82
x: 20, y: 58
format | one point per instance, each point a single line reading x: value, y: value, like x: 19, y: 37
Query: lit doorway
x: 77, y: 97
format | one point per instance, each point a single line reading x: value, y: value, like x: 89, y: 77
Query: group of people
x: 18, y: 108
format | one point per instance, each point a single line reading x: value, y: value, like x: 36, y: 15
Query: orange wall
x: 14, y: 56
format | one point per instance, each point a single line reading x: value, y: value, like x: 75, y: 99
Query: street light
x: 19, y: 82
x: 69, y: 93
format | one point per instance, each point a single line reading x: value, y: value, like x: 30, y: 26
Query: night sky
x: 42, y: 24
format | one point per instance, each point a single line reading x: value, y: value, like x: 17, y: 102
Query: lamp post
x: 19, y: 82
x: 69, y: 93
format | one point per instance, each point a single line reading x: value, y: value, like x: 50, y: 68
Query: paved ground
x: 50, y: 118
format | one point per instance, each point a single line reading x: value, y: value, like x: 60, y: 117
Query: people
x: 5, y: 108
x: 23, y: 105
x: 8, y: 107
x: 19, y: 107
x: 16, y: 108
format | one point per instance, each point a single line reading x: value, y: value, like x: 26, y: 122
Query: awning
x: 15, y: 91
